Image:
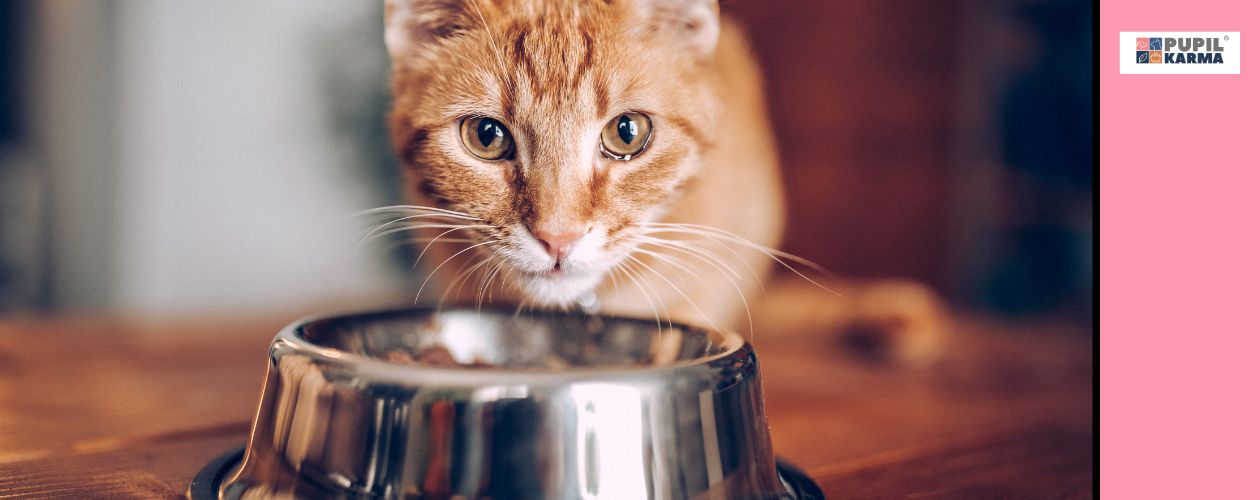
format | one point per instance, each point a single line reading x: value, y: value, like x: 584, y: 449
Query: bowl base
x: 205, y: 486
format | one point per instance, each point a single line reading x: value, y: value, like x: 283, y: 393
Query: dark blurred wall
x: 11, y: 39
x: 947, y: 142
x: 18, y: 241
x: 861, y: 96
x: 1045, y: 139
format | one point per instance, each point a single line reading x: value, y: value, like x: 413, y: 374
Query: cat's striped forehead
x: 555, y: 67
x: 542, y: 66
x: 530, y: 69
x: 554, y: 72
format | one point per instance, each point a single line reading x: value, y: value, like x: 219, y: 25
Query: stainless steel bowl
x: 491, y: 404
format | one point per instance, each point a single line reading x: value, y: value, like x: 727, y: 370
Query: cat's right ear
x: 411, y: 25
x: 694, y: 24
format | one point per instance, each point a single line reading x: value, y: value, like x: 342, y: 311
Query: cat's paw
x: 886, y: 321
x: 894, y: 321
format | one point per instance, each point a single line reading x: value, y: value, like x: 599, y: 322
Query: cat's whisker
x: 413, y: 209
x: 688, y: 249
x: 400, y: 216
x: 404, y: 214
x: 437, y: 218
x: 430, y: 244
x: 639, y: 276
x: 692, y: 250
x: 696, y: 246
x: 679, y: 290
x: 621, y: 266
x: 615, y: 281
x: 460, y: 279
x: 415, y: 227
x: 713, y: 232
x: 448, y: 259
x: 708, y: 258
x: 478, y: 292
x: 425, y: 240
x: 675, y: 262
x: 441, y: 219
x: 503, y: 279
x: 528, y: 302
x: 486, y: 282
x: 494, y: 44
x: 776, y: 255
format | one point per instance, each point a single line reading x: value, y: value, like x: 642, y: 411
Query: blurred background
x: 176, y: 157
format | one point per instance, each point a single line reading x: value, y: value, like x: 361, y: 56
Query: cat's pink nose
x: 558, y: 244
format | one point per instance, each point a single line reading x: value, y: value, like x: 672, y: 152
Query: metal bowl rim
x: 461, y: 376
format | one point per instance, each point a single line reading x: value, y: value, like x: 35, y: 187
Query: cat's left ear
x: 410, y: 25
x: 694, y: 22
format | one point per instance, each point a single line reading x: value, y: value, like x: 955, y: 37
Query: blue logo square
x: 1157, y: 43
x: 1143, y: 57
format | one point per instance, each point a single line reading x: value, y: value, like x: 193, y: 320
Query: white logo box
x: 1231, y: 54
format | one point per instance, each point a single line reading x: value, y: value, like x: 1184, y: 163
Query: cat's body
x: 737, y: 189
x: 611, y: 148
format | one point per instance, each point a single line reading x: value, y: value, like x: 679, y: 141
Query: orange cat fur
x: 519, y: 117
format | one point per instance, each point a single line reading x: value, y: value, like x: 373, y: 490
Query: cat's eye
x: 626, y: 136
x: 486, y: 138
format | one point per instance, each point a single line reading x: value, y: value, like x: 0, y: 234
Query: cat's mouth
x: 557, y: 272
x: 558, y: 286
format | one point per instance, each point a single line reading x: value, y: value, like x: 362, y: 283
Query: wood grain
x: 106, y: 408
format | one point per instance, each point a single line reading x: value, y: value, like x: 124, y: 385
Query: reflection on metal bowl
x: 418, y: 403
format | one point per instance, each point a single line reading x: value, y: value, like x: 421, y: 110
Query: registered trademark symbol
x: 1226, y: 38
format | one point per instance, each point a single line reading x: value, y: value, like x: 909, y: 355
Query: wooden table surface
x: 95, y: 407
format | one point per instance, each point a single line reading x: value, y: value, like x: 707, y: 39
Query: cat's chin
x: 558, y: 289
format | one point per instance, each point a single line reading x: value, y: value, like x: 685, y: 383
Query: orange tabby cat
x: 587, y: 151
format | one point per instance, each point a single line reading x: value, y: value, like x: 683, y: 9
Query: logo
x: 1180, y: 52
x: 1150, y: 50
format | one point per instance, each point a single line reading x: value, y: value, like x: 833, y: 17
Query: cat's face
x: 560, y: 124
